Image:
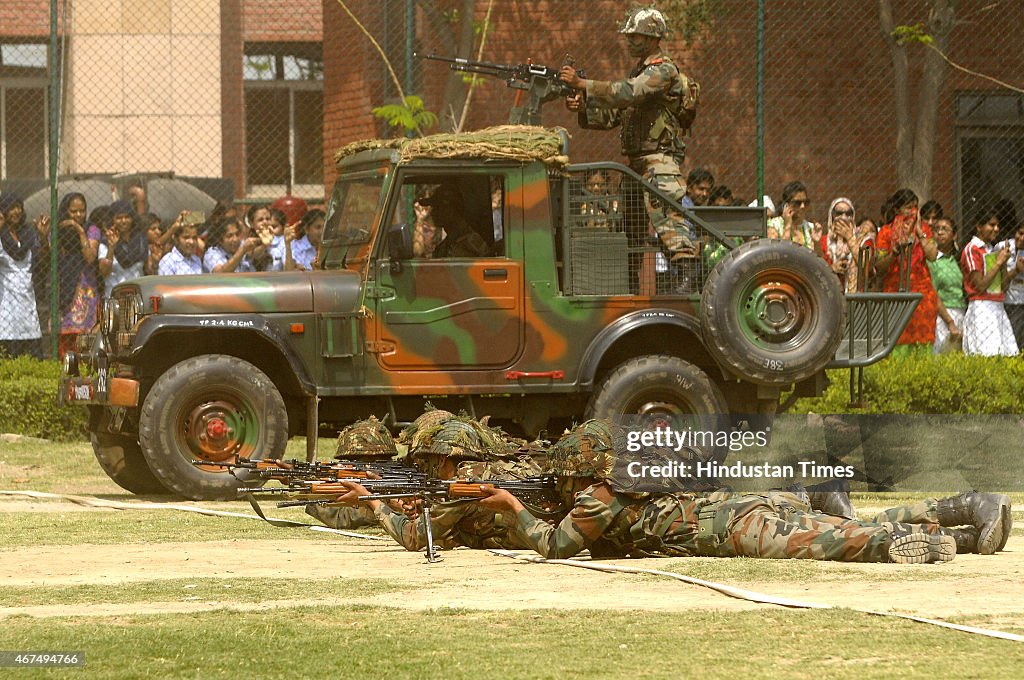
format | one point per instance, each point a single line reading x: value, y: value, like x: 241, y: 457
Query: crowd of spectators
x: 971, y: 282
x: 972, y: 292
x: 121, y: 241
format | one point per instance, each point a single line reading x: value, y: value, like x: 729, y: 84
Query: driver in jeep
x: 448, y: 209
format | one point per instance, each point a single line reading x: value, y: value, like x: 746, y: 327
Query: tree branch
x: 387, y: 62
x: 479, y: 57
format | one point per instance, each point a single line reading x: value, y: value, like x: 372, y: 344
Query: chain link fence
x: 220, y: 107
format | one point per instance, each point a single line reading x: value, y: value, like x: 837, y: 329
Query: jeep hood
x: 262, y: 293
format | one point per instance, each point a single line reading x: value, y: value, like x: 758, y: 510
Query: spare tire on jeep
x: 773, y: 312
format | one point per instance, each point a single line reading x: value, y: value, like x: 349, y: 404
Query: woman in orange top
x: 905, y: 233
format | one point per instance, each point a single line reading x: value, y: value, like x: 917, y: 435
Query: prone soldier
x: 727, y: 524
x: 445, y: 446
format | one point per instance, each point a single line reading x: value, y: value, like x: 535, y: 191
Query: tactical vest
x: 657, y: 124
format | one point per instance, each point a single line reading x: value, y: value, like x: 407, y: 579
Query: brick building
x: 208, y: 88
x: 249, y: 90
x: 829, y: 114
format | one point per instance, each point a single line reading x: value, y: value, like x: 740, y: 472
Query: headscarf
x: 838, y: 249
x: 70, y: 260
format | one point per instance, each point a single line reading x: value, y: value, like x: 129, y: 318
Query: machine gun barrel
x: 460, y: 64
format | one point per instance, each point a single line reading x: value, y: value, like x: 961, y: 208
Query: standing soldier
x: 655, y: 106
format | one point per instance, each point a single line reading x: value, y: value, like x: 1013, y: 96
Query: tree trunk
x: 460, y: 34
x: 940, y: 23
x: 901, y: 93
x: 915, y: 131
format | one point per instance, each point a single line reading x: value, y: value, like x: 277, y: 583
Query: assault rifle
x: 539, y: 82
x: 284, y: 470
x: 536, y: 492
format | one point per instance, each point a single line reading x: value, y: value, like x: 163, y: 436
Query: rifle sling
x: 274, y: 522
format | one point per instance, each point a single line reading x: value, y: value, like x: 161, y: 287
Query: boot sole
x: 1007, y: 523
x: 995, y: 539
x: 922, y: 549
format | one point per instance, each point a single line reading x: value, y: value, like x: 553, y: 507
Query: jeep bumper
x: 86, y: 379
x: 98, y: 390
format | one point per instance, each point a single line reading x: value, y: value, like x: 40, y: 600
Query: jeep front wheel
x: 211, y: 408
x: 773, y: 312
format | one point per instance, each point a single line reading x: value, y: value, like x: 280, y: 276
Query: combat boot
x: 920, y: 548
x: 989, y: 513
x: 966, y: 539
x: 832, y: 498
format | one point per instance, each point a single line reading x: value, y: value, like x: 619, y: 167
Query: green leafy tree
x: 409, y: 116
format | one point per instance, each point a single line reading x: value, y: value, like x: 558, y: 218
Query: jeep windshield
x: 353, y: 208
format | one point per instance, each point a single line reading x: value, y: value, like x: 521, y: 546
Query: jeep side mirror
x: 399, y: 246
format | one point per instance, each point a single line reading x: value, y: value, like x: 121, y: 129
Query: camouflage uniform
x: 366, y: 440
x: 645, y: 105
x: 462, y: 522
x: 719, y: 524
x: 484, y: 453
x: 722, y: 524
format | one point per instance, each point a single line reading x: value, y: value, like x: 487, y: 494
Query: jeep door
x: 459, y: 312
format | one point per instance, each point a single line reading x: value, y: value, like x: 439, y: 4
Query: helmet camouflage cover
x: 645, y: 21
x: 437, y: 436
x: 368, y: 438
x: 413, y: 435
x: 589, y: 450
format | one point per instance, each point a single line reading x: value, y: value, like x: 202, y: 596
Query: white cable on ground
x: 750, y: 595
x: 731, y: 591
x: 138, y: 505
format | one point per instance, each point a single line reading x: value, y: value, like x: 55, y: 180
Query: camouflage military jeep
x: 573, y: 312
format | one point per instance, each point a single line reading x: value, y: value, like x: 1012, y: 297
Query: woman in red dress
x: 907, y: 236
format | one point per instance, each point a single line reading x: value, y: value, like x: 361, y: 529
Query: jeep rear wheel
x: 121, y: 458
x: 773, y: 312
x: 211, y: 408
x: 658, y: 389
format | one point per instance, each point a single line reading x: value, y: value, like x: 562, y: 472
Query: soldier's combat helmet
x: 589, y: 450
x: 466, y: 439
x: 433, y: 418
x: 439, y: 435
x: 645, y: 21
x: 368, y: 438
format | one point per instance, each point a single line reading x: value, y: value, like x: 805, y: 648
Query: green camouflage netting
x: 368, y: 438
x: 588, y: 450
x: 432, y: 418
x: 464, y: 438
x: 510, y: 142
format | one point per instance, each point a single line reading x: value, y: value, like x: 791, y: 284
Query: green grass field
x: 351, y: 642
x: 251, y: 627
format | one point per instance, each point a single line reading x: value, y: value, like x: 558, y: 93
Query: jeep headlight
x: 111, y: 311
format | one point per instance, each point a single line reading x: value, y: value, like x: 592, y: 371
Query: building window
x: 284, y: 107
x: 990, y: 156
x: 23, y: 113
